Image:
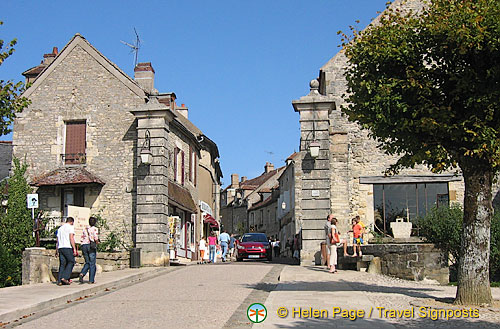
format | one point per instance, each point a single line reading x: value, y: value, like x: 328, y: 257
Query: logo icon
x: 256, y: 312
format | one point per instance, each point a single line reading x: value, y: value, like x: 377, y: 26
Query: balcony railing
x: 74, y: 158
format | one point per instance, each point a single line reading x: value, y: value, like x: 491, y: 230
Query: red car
x: 253, y: 246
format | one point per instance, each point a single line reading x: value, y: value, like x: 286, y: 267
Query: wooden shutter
x: 190, y: 164
x: 182, y: 168
x: 75, y: 142
x: 176, y: 151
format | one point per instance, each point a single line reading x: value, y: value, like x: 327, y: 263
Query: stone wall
x: 41, y: 265
x: 409, y: 261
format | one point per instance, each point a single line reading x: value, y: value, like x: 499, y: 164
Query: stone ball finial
x: 155, y: 92
x: 314, y: 84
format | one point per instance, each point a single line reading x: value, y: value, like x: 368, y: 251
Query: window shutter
x: 190, y: 164
x: 75, y: 142
x: 195, y: 167
x: 176, y: 152
x: 182, y: 169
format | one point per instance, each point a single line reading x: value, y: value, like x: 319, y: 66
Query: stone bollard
x: 36, y: 267
x: 375, y: 266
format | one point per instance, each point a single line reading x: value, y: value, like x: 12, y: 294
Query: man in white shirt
x: 67, y: 251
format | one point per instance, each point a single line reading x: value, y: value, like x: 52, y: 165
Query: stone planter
x: 400, y: 229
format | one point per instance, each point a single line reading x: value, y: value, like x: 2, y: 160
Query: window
x: 179, y: 165
x: 75, y: 147
x: 408, y: 201
x: 192, y: 165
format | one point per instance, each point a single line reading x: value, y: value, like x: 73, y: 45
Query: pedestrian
x: 224, y: 240
x: 357, y: 231
x: 231, y: 246
x: 212, y: 243
x: 202, y: 247
x: 276, y: 247
x: 66, y: 249
x: 328, y: 238
x: 335, y: 240
x: 296, y: 247
x: 89, y: 241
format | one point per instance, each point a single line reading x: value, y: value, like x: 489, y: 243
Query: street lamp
x: 314, y: 149
x: 146, y: 155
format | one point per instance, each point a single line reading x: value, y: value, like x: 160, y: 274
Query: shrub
x: 16, y: 226
x: 443, y: 227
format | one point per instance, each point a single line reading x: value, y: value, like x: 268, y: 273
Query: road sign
x: 32, y: 200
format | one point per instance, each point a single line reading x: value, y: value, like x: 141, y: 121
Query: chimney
x: 144, y: 75
x: 243, y: 179
x: 49, y: 58
x: 34, y: 72
x: 182, y: 110
x: 268, y: 167
x: 234, y: 181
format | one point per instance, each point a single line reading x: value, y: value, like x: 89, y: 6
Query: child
x: 357, y: 231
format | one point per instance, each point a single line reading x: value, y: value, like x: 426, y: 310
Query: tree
x: 426, y: 85
x: 16, y: 227
x: 10, y: 101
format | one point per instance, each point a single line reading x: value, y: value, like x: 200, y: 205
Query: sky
x: 237, y: 65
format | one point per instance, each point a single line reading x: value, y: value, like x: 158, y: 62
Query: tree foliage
x: 10, y: 101
x: 16, y: 227
x: 426, y: 85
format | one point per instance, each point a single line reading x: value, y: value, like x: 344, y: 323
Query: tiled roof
x: 65, y: 176
x: 181, y: 196
x: 293, y: 156
x: 262, y: 203
x: 258, y: 181
x: 35, y: 70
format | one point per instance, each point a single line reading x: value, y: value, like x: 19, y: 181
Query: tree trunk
x: 473, y: 269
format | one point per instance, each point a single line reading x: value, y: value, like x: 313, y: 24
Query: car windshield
x: 254, y: 238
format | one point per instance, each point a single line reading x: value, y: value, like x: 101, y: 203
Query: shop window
x: 407, y: 201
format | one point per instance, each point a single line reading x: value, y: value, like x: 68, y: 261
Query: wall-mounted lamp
x: 283, y: 205
x: 314, y: 149
x: 146, y: 155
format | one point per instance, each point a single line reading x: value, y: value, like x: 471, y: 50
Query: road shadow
x: 416, y: 322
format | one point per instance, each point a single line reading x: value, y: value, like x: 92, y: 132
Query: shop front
x: 182, y: 206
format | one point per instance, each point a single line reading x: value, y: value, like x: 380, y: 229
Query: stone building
x: 239, y: 196
x: 262, y: 216
x: 5, y: 158
x: 96, y: 138
x: 346, y: 177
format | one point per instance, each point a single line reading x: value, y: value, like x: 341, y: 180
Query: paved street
x: 192, y: 297
x: 218, y: 296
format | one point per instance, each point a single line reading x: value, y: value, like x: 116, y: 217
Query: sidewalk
x: 303, y: 289
x: 22, y: 301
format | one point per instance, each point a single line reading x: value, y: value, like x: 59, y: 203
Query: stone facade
x: 349, y: 174
x: 81, y: 85
x: 119, y: 120
x: 5, y: 158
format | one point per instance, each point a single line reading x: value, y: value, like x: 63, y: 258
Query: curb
x: 25, y: 313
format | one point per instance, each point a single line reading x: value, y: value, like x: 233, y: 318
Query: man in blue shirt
x: 224, y: 240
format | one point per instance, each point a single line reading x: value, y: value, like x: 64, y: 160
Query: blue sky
x: 237, y: 65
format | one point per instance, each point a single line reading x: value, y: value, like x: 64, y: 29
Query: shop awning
x: 208, y: 219
x: 180, y: 196
x: 66, y: 176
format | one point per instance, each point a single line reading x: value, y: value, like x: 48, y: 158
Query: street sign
x: 32, y: 200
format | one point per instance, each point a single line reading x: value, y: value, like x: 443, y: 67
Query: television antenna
x: 134, y: 48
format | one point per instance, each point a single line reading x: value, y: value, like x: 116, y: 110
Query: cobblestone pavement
x: 314, y: 287
x: 198, y: 296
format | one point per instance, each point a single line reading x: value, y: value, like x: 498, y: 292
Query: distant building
x: 239, y: 196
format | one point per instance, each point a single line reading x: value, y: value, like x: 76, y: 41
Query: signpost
x: 32, y: 201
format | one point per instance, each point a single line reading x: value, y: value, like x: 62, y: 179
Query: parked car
x: 254, y: 246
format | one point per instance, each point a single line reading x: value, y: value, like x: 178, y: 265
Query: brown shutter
x: 176, y: 151
x: 182, y: 169
x: 75, y: 142
x: 190, y: 164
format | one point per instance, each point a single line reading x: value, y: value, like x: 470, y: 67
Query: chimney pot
x: 268, y: 167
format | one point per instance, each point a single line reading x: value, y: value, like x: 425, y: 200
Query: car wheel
x: 239, y: 259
